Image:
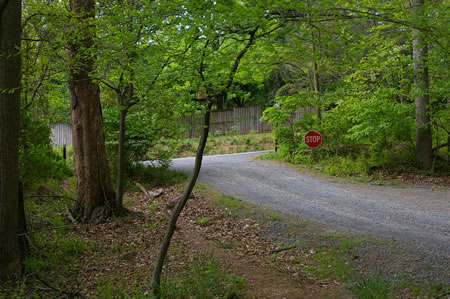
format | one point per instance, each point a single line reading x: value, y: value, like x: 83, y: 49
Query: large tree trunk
x: 10, y: 74
x: 424, y: 152
x: 93, y: 181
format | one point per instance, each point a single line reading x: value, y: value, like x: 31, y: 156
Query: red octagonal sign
x: 313, y: 139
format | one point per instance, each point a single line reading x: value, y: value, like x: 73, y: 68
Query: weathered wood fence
x: 237, y: 120
x: 61, y: 134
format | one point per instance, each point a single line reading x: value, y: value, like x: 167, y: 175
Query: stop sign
x: 313, y: 138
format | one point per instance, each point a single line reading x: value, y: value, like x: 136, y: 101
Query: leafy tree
x: 138, y: 49
x: 44, y: 82
x: 366, y: 75
x: 224, y: 34
x: 95, y: 193
x: 424, y: 155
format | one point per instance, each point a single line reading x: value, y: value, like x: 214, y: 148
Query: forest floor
x: 222, y: 247
x: 203, y: 230
x: 115, y: 259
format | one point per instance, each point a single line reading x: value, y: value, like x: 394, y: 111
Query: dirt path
x: 261, y: 280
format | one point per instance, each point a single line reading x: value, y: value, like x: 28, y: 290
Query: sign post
x: 313, y: 139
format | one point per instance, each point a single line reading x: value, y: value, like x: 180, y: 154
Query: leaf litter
x: 125, y: 249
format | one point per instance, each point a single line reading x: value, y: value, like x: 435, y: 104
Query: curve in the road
x: 413, y: 215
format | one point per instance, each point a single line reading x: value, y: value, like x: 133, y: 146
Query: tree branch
x: 439, y: 146
x: 238, y: 58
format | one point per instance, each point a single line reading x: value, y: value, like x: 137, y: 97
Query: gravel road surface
x: 417, y: 216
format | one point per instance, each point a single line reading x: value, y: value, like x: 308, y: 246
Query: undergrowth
x: 372, y: 287
x: 57, y: 246
x: 206, y: 277
x: 358, y: 166
x: 217, y: 144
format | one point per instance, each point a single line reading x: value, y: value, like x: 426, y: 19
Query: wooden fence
x: 237, y: 120
x: 61, y: 134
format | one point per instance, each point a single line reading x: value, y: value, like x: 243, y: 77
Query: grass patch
x: 206, y: 277
x: 372, y: 287
x: 217, y: 144
x: 204, y: 221
x: 273, y: 215
x: 432, y: 290
x: 330, y: 264
x: 231, y: 204
x: 225, y: 245
x: 154, y: 177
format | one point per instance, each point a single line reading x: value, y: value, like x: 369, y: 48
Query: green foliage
x: 372, y: 288
x: 51, y: 254
x: 155, y: 176
x: 219, y: 144
x: 144, y: 137
x: 139, y: 137
x: 204, y: 278
x: 330, y: 263
x: 288, y: 132
x: 37, y: 160
x: 203, y: 221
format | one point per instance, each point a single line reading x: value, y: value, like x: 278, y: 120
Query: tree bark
x: 24, y: 244
x: 316, y: 79
x: 156, y: 278
x: 10, y: 76
x: 121, y: 159
x: 93, y: 181
x: 424, y: 152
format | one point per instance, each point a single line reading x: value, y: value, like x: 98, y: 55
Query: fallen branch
x: 72, y: 294
x: 69, y: 214
x: 142, y: 188
x: 148, y: 193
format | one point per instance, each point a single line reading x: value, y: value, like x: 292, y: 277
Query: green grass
x: 225, y: 245
x: 372, y: 287
x: 222, y: 144
x: 54, y: 253
x: 431, y: 290
x: 204, y: 221
x: 206, y: 277
x: 330, y: 264
x: 153, y: 177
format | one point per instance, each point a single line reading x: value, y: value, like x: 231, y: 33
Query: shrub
x: 37, y: 160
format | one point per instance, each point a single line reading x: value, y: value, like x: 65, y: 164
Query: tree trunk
x: 93, y: 181
x: 316, y: 79
x: 424, y: 153
x: 156, y: 279
x: 120, y: 164
x: 24, y: 244
x: 10, y: 75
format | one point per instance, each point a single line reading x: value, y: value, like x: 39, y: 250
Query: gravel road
x: 416, y: 216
